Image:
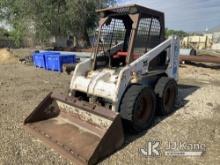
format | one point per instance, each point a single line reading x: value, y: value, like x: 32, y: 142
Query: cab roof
x: 132, y: 9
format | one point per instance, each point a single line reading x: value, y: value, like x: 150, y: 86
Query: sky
x: 187, y: 15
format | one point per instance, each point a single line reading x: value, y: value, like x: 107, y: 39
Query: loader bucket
x: 79, y: 131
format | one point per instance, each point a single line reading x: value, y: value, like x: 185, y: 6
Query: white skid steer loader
x: 131, y: 76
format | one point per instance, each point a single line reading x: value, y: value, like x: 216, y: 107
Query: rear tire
x: 166, y: 91
x: 138, y: 108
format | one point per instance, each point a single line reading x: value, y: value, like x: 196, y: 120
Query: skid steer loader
x: 130, y: 77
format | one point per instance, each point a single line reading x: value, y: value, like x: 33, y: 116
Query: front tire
x: 138, y: 108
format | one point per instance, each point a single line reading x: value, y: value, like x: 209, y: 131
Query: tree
x: 13, y: 12
x: 3, y: 32
x: 178, y: 33
x: 53, y: 17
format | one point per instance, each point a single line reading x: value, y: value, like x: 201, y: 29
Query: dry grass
x: 6, y: 57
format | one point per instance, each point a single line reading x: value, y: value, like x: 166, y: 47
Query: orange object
x: 125, y: 54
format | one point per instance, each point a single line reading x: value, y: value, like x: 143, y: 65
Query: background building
x: 216, y: 37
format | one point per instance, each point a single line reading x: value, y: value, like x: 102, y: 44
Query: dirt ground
x: 196, y: 120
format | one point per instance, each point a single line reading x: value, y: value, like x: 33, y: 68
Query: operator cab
x: 125, y: 34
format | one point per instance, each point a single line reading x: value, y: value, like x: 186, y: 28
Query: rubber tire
x: 163, y: 85
x: 130, y: 105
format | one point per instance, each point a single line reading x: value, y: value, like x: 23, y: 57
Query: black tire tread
x: 159, y: 89
x: 127, y: 106
x: 129, y: 98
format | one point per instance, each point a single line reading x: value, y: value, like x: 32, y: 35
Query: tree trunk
x: 83, y: 40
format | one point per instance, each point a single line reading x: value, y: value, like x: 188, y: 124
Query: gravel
x: 196, y: 120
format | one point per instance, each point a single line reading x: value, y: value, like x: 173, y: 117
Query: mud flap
x: 80, y: 131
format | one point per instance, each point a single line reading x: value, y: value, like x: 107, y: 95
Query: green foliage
x: 17, y: 34
x: 179, y: 33
x: 15, y: 13
x: 47, y: 18
x: 3, y: 33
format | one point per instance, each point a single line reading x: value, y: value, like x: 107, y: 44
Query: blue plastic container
x: 39, y: 59
x: 55, y: 62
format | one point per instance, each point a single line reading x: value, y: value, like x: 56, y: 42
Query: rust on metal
x: 85, y: 105
x: 66, y: 124
x: 202, y: 58
x: 127, y: 9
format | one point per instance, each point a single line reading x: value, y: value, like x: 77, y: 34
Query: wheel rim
x: 144, y: 109
x: 169, y: 97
